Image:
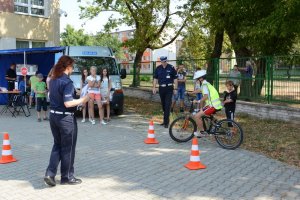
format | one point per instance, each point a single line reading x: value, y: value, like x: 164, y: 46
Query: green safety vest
x: 213, y: 97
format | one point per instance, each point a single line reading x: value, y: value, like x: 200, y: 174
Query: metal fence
x: 274, y: 79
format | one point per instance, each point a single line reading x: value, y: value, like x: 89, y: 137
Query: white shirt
x: 205, y: 90
x: 104, y: 87
x: 93, y: 90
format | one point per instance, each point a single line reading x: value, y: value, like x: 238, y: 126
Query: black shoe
x: 162, y: 124
x: 50, y: 181
x: 166, y: 125
x: 73, y: 181
x: 171, y: 110
x: 181, y: 110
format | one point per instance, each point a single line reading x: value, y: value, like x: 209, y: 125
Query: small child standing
x: 230, y: 101
x: 41, y: 100
x: 197, y: 91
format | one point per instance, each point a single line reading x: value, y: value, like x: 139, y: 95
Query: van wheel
x: 118, y: 111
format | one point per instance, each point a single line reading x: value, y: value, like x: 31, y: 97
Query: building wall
x: 15, y: 26
x: 146, y: 66
x: 6, y: 5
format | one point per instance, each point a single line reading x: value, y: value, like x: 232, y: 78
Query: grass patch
x: 275, y: 139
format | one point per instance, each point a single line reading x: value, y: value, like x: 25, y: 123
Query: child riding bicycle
x: 209, y: 103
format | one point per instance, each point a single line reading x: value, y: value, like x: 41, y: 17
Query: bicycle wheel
x: 182, y: 129
x: 229, y: 134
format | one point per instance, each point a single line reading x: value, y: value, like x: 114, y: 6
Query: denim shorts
x: 198, y: 96
x: 41, y: 102
x: 32, y: 94
x: 180, y: 93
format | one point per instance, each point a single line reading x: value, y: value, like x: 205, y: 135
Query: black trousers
x: 64, y: 131
x: 10, y: 87
x: 229, y: 115
x: 166, y: 94
x: 41, y: 102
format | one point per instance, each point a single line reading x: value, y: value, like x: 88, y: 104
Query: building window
x: 20, y: 44
x: 38, y: 44
x: 31, y: 7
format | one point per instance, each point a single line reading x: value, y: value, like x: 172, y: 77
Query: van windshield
x: 99, y: 62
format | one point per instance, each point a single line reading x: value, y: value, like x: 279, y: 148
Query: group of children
x: 38, y: 91
x: 98, y: 89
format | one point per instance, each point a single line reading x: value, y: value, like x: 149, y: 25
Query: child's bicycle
x: 227, y: 133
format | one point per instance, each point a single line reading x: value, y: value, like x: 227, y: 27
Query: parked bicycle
x: 227, y: 133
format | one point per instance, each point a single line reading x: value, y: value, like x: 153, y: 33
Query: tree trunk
x: 260, y: 77
x: 137, y: 68
x: 216, y: 53
x: 241, y: 54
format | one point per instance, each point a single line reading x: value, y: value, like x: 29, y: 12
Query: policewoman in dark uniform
x: 166, y: 77
x: 63, y: 123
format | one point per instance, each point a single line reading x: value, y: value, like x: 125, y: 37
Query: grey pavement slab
x: 114, y: 163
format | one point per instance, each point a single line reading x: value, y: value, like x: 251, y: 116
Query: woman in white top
x: 48, y: 81
x: 94, y: 94
x: 83, y: 83
x: 105, y: 90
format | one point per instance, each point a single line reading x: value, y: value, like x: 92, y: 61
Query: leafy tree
x: 72, y: 37
x: 152, y: 19
x: 257, y: 27
x: 108, y: 40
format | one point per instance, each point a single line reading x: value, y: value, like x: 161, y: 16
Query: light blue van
x: 87, y: 56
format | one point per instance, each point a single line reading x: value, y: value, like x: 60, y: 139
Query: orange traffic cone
x: 7, y: 156
x: 151, y: 136
x: 195, y: 162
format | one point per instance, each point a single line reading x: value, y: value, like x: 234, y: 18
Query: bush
x: 145, y: 78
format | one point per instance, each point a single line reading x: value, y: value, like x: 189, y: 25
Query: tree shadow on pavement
x: 114, y: 162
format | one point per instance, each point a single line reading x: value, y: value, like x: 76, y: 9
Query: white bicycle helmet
x: 199, y: 74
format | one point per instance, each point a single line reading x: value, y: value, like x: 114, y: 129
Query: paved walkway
x: 114, y: 163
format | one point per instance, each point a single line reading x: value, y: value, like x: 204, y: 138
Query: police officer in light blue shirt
x: 166, y: 77
x: 63, y: 123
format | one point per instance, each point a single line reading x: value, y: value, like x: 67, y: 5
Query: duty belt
x: 165, y: 85
x: 61, y: 113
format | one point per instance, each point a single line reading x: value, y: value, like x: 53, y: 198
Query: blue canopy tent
x: 44, y: 58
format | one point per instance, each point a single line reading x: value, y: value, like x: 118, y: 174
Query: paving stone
x: 114, y: 163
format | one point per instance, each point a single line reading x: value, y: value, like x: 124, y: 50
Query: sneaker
x: 93, y: 122
x: 103, y: 122
x: 39, y: 120
x: 83, y: 120
x: 200, y: 134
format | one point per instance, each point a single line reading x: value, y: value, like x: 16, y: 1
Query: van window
x: 99, y: 62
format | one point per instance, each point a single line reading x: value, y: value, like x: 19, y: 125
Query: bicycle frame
x: 210, y: 118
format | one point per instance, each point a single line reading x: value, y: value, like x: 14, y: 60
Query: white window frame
x: 30, y: 6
